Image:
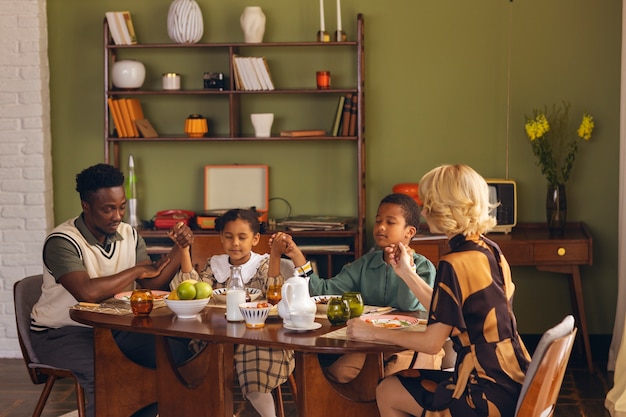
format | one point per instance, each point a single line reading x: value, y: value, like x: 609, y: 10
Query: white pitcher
x: 295, y: 299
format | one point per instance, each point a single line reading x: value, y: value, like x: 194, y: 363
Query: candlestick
x: 322, y: 25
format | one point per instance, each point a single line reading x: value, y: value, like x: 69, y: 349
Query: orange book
x: 117, y: 117
x: 130, y: 127
x: 134, y: 107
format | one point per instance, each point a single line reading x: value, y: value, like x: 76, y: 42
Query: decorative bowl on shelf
x: 128, y: 74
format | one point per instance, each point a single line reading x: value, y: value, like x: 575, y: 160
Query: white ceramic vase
x: 253, y: 24
x: 128, y: 74
x: 262, y: 123
x: 184, y: 21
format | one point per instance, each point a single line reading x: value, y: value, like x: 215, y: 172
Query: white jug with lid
x: 295, y: 299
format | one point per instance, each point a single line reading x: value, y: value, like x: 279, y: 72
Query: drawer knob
x: 560, y: 251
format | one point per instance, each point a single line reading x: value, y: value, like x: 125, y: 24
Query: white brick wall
x: 25, y: 157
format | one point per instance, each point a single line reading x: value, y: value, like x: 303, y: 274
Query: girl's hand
x: 181, y: 234
x: 282, y: 243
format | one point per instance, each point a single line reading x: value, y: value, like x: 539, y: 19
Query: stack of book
x: 307, y: 222
x: 128, y: 118
x: 121, y: 28
x: 345, y: 122
x: 252, y: 73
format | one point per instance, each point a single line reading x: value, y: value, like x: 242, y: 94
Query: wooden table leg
x: 578, y: 304
x: 202, y: 387
x: 122, y: 386
x: 317, y: 396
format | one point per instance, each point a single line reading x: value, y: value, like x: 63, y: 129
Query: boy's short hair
x: 249, y: 216
x: 410, y: 209
x: 456, y: 200
x: 91, y: 179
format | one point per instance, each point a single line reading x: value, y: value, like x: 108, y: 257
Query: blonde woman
x: 471, y: 304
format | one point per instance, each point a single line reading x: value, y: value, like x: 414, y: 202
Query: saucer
x: 315, y: 325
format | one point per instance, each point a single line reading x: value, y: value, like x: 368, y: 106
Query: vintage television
x: 503, y: 192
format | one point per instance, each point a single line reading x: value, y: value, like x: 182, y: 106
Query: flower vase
x: 184, y: 21
x: 252, y: 24
x: 556, y: 209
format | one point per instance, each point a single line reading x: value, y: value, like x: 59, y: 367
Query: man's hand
x: 181, y: 234
x: 154, y: 269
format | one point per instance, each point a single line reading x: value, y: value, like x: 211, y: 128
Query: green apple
x: 186, y: 291
x: 203, y: 289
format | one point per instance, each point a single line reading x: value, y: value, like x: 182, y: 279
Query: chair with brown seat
x: 545, y: 374
x: 26, y: 292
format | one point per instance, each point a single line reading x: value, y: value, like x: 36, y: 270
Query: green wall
x: 436, y: 92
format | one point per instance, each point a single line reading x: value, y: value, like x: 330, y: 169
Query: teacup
x: 302, y: 320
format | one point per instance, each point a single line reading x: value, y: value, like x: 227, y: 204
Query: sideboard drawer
x: 561, y: 252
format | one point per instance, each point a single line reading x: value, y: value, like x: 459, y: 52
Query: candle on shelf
x: 322, y: 35
x: 340, y: 35
x: 339, y: 15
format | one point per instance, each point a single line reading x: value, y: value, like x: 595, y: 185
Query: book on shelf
x: 252, y: 74
x: 315, y: 222
x: 353, y: 115
x: 131, y: 129
x: 345, y: 117
x: 117, y: 118
x: 301, y: 133
x: 130, y: 27
x: 338, y: 113
x: 145, y: 128
x: 121, y: 28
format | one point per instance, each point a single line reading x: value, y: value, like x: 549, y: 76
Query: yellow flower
x: 586, y: 127
x: 553, y: 143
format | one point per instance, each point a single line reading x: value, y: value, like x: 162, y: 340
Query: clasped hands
x: 181, y: 234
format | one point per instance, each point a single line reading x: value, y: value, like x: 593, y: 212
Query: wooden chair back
x: 545, y: 375
x: 26, y: 293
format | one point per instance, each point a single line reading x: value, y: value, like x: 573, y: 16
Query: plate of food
x: 156, y: 295
x: 391, y: 321
x: 219, y: 294
x: 321, y: 301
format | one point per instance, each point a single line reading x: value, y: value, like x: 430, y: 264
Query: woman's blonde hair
x: 456, y: 200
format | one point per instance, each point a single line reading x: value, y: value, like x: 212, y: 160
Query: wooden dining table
x: 203, y: 386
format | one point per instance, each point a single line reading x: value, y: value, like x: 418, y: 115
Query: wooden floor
x: 582, y: 394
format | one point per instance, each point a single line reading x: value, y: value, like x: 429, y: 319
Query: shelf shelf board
x: 233, y: 45
x: 183, y: 138
x: 228, y: 92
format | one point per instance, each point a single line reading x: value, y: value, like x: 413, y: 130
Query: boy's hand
x: 285, y: 244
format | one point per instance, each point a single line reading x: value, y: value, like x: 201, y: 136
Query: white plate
x: 156, y: 294
x: 391, y: 321
x: 220, y: 294
x: 313, y: 326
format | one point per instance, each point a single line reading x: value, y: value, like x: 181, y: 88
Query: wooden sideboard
x: 530, y: 245
x: 318, y: 246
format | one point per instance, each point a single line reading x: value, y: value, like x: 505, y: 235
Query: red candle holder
x: 323, y: 80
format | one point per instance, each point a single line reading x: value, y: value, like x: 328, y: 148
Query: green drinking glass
x: 338, y: 311
x: 356, y: 302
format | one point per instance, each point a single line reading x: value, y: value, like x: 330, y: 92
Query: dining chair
x: 26, y: 292
x: 544, y: 376
x: 278, y: 396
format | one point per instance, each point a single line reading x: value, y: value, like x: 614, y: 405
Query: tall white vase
x: 184, y: 21
x: 253, y: 24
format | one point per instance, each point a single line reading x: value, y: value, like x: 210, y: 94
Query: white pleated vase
x: 184, y: 21
x: 253, y: 24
